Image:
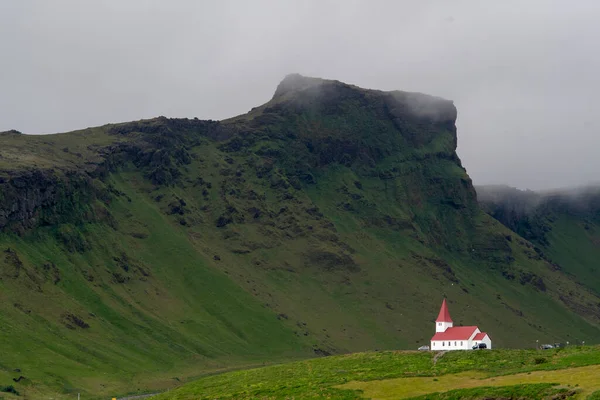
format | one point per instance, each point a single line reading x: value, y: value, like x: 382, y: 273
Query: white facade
x: 442, y: 326
x: 441, y: 345
x: 486, y: 339
x: 466, y: 344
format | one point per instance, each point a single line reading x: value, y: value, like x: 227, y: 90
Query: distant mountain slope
x: 330, y: 219
x: 564, y: 226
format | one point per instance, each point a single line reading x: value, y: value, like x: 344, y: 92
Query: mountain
x: 331, y: 219
x: 563, y: 225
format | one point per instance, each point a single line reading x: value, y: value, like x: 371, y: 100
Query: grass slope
x: 518, y: 373
x: 564, y: 226
x: 575, y: 245
x: 127, y: 307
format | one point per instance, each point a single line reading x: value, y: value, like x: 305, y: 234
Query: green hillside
x: 332, y: 219
x: 564, y: 226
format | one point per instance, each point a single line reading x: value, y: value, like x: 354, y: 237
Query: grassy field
x: 585, y: 379
x: 387, y: 375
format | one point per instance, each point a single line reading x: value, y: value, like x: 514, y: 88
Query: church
x: 450, y: 337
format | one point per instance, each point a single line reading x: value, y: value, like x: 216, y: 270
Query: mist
x: 523, y: 75
x: 527, y: 202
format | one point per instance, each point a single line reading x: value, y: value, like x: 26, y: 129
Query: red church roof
x: 456, y: 333
x: 444, y: 315
x: 480, y: 336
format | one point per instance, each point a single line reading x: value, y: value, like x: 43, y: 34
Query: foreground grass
x: 331, y: 376
x: 584, y: 378
x: 532, y: 392
x: 594, y: 396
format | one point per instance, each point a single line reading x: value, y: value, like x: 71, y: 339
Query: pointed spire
x: 444, y: 315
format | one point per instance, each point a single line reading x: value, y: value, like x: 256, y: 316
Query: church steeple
x: 443, y: 320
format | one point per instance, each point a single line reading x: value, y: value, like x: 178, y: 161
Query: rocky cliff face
x: 563, y: 226
x: 42, y: 197
x: 31, y: 196
x: 532, y: 214
x: 407, y: 141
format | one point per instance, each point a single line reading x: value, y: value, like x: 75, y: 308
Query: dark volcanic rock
x: 31, y: 198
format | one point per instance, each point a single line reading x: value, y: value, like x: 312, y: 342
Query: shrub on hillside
x: 594, y: 396
x: 72, y: 238
x: 9, y: 389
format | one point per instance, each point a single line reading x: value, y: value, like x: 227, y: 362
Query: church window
x: 443, y: 343
x: 455, y: 343
x: 461, y: 343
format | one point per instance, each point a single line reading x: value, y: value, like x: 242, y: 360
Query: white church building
x: 450, y: 337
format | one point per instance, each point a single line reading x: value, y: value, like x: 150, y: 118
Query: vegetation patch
x: 537, y: 391
x: 492, y: 374
x: 469, y: 384
x: 9, y: 389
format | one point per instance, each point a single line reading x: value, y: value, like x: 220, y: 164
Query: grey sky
x: 523, y: 74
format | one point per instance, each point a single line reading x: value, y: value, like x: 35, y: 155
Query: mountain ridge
x: 331, y: 219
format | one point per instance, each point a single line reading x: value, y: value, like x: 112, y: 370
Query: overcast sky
x: 524, y: 75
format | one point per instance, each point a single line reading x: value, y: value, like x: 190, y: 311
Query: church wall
x: 485, y: 340
x: 450, y: 345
